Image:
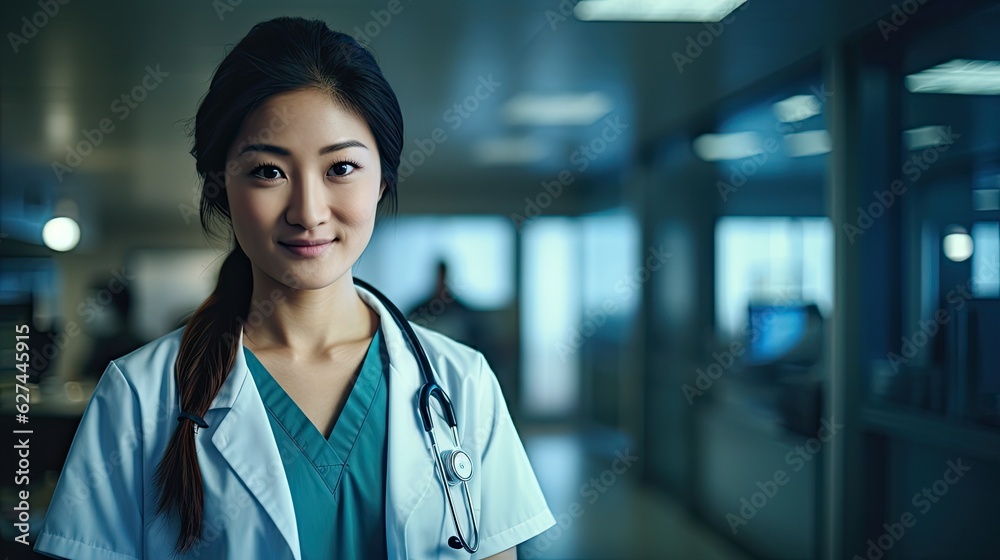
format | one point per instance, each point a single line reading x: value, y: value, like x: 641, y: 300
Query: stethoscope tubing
x: 430, y: 390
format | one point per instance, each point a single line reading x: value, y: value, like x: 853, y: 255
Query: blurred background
x: 736, y: 264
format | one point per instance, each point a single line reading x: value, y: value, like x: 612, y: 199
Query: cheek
x: 249, y: 213
x: 359, y: 209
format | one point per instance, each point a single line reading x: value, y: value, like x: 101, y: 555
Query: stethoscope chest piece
x: 458, y: 466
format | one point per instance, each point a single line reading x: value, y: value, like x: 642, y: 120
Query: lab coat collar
x: 409, y: 467
x: 255, y: 460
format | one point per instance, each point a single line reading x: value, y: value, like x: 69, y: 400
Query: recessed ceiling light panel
x: 557, y: 109
x: 655, y: 10
x: 734, y: 145
x: 797, y: 108
x: 961, y: 76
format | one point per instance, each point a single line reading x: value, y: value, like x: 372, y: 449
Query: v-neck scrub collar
x: 337, y: 482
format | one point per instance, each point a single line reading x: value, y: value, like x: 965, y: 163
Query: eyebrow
x: 284, y: 152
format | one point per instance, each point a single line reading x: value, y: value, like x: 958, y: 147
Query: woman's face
x: 303, y: 170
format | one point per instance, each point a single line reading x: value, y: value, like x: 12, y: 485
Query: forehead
x: 303, y: 117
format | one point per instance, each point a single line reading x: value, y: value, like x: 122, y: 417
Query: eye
x: 343, y: 168
x: 267, y: 172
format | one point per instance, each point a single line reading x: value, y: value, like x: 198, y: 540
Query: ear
x: 381, y: 190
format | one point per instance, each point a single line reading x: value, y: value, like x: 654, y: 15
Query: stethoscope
x: 454, y: 465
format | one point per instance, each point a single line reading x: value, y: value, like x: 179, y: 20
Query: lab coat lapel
x: 409, y: 469
x: 255, y: 459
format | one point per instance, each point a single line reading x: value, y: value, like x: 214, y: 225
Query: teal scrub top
x: 337, y: 482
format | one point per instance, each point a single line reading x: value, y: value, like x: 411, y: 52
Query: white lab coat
x: 105, y: 500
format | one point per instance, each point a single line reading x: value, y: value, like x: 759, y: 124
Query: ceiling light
x: 655, y: 10
x: 797, y: 108
x: 970, y: 77
x: 61, y: 234
x: 501, y: 151
x: 957, y: 245
x: 59, y: 125
x: 808, y: 143
x: 924, y: 137
x: 557, y: 109
x: 736, y: 145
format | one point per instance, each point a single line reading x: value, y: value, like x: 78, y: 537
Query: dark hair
x: 276, y: 56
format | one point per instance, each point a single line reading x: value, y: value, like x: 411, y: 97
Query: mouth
x: 306, y: 243
x: 310, y: 248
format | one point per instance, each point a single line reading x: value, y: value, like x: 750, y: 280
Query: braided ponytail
x: 207, y: 353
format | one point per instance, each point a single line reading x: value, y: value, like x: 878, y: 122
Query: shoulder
x: 154, y: 355
x: 148, y: 370
x: 445, y: 352
x: 462, y: 370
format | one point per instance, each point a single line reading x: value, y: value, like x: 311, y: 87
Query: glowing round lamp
x: 957, y: 245
x: 61, y: 234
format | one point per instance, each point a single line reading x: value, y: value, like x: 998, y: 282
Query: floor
x: 591, y: 482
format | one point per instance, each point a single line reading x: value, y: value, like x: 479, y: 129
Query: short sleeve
x: 513, y: 506
x: 96, y: 509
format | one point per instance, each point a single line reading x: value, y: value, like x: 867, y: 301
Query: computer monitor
x: 789, y: 333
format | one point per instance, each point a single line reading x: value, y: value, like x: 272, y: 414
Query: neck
x: 307, y: 323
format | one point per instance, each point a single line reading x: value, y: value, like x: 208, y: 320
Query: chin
x: 310, y: 278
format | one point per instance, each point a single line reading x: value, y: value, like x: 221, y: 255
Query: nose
x: 308, y: 204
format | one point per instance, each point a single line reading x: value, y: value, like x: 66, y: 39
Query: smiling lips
x: 307, y: 247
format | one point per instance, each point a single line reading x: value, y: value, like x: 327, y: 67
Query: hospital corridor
x: 555, y: 280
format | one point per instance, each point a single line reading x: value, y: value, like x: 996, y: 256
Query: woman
x: 281, y: 421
